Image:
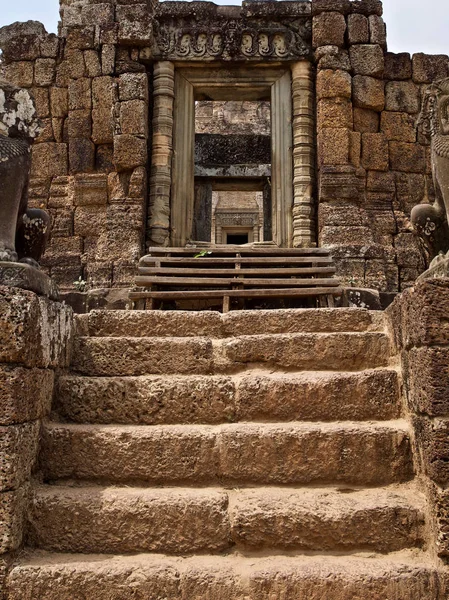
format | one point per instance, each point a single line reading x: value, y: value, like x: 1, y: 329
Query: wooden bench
x: 226, y: 272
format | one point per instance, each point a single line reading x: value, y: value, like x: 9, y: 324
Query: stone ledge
x: 25, y: 277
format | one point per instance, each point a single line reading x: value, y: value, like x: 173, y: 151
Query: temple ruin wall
x: 105, y: 135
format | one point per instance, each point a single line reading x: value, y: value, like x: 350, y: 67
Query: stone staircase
x: 248, y: 456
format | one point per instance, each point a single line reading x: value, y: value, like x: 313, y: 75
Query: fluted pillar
x: 304, y: 227
x: 162, y: 152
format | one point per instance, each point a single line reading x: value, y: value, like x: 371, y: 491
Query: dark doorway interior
x: 237, y: 238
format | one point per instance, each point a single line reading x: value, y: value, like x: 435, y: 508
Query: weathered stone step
x: 402, y: 576
x: 118, y: 323
x: 260, y: 453
x: 254, y: 396
x: 106, y: 356
x: 182, y: 520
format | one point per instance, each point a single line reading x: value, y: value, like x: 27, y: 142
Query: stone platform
x: 24, y: 276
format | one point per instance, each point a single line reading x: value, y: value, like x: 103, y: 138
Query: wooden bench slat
x: 298, y: 260
x: 227, y: 281
x: 292, y: 292
x: 256, y: 271
x: 250, y: 250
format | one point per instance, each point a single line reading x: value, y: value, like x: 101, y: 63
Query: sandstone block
x: 90, y: 190
x: 329, y: 28
x: 341, y: 182
x: 81, y: 155
x: 102, y: 125
x: 129, y: 152
x: 316, y: 397
x: 333, y: 146
x: 358, y: 29
x: 367, y: 59
x: 341, y: 6
x: 101, y: 14
x: 333, y: 84
x: 368, y: 92
x: 366, y: 121
x: 80, y: 94
x: 108, y: 59
x: 428, y: 68
x: 410, y: 158
x: 138, y: 183
x: 341, y: 213
x: 35, y: 331
x: 20, y: 73
x: 355, y: 148
x: 81, y: 38
x: 375, y: 155
x: 80, y: 123
x: 62, y: 222
x: 18, y: 451
x: 44, y: 71
x: 13, y: 507
x: 59, y: 102
x: 367, y: 7
x: 433, y: 440
x: 103, y: 92
x: 50, y: 160
x: 398, y: 66
x: 332, y: 57
x: 429, y: 380
x: 135, y: 25
x: 398, y: 127
x: 90, y: 219
x: 133, y: 86
x: 378, y: 31
x: 92, y: 61
x: 320, y: 521
x: 42, y: 101
x: 402, y: 96
x: 247, y: 454
x: 50, y: 46
x: 381, y: 182
x: 130, y: 520
x: 134, y: 117
x: 63, y: 251
x: 149, y: 355
x: 104, y: 158
x: 293, y: 350
x: 147, y: 400
x: 343, y: 235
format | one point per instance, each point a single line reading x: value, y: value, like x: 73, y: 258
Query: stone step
x: 184, y: 520
x: 248, y: 453
x: 121, y: 323
x: 106, y: 356
x: 255, y: 396
x: 401, y: 576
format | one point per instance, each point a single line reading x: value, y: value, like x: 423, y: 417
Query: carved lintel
x: 210, y: 34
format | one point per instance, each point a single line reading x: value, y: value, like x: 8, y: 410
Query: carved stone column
x: 304, y: 235
x: 162, y: 152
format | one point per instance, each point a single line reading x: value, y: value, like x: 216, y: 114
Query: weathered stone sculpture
x: 431, y: 220
x: 23, y: 231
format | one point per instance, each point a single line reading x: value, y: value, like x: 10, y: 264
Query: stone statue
x: 23, y: 231
x: 431, y: 220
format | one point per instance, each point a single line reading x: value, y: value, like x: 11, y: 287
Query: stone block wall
x: 91, y: 165
x: 373, y: 166
x: 419, y: 325
x: 35, y: 339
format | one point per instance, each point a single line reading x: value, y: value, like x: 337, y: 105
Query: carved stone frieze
x: 237, y: 219
x: 211, y: 34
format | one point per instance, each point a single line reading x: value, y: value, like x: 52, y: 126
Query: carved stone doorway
x: 220, y: 83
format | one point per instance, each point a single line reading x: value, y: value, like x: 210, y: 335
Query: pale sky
x: 413, y: 25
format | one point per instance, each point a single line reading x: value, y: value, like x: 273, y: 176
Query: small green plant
x: 80, y: 284
x: 203, y: 253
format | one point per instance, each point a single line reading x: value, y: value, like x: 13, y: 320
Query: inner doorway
x: 212, y: 84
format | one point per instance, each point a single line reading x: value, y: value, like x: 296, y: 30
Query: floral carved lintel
x: 237, y: 219
x: 232, y: 40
